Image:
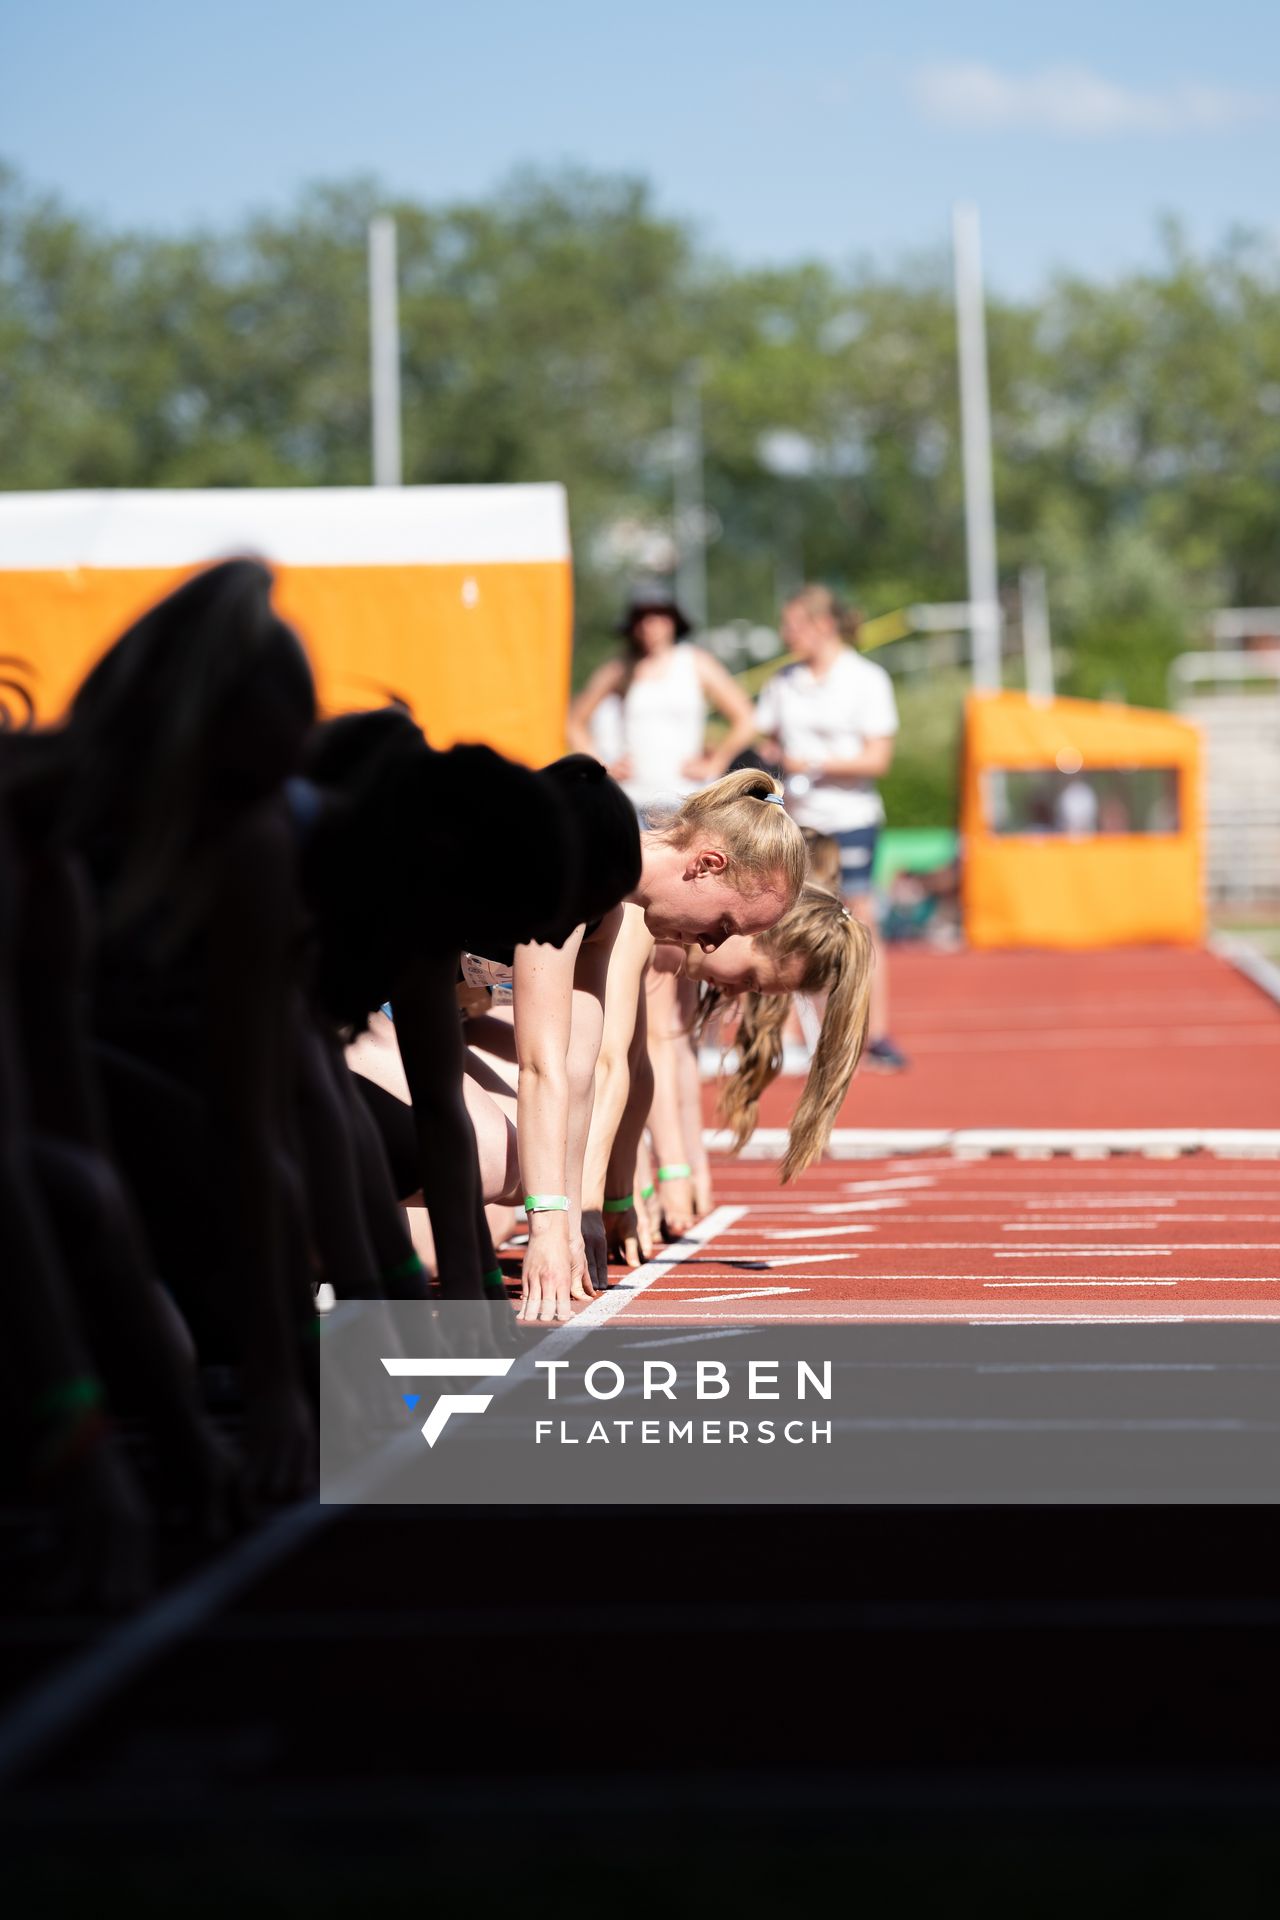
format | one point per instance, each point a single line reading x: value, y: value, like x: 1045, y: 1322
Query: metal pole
x: 691, y: 529
x: 384, y: 351
x: 975, y: 430
x: 1037, y: 648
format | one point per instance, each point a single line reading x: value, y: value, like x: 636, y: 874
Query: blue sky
x: 782, y: 130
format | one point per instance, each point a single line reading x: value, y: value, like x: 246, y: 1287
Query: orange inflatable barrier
x: 457, y: 600
x: 1082, y: 824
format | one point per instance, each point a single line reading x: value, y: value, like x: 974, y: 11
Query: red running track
x: 1141, y: 1037
x: 945, y: 1239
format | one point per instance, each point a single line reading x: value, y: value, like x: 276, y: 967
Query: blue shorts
x: 857, y: 857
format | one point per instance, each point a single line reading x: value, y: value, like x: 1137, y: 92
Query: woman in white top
x: 663, y: 690
x: 830, y: 718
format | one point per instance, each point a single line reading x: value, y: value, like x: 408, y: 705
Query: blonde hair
x: 743, y: 815
x: 823, y: 850
x: 838, y: 957
x: 820, y: 603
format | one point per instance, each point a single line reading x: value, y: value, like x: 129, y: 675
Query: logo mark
x: 17, y: 701
x: 448, y: 1403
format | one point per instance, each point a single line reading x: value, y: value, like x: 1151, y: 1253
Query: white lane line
x: 785, y: 1262
x: 894, y: 1184
x: 1194, y: 1279
x: 1111, y: 1224
x: 794, y: 1210
x: 1095, y: 1319
x: 1091, y: 1253
x: 736, y: 1288
x: 856, y: 1206
x: 1155, y: 1250
x: 1123, y: 1202
x: 1138, y: 1253
x: 810, y: 1233
x: 892, y: 1315
x: 745, y: 1293
x: 688, y: 1339
x: 799, y: 1208
x: 1050, y: 1224
x: 751, y: 1234
x: 1021, y: 1284
x: 1104, y: 1223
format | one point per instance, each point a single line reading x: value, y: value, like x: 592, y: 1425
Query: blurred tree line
x: 1137, y: 423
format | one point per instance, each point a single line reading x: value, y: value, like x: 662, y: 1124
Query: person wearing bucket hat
x: 652, y: 596
x: 659, y: 692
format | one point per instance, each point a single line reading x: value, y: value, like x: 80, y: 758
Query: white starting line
x: 870, y: 1143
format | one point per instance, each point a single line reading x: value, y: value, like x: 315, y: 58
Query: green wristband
x: 546, y: 1203
x: 495, y: 1283
x: 646, y: 1193
x: 408, y: 1269
x: 624, y: 1205
x: 678, y: 1172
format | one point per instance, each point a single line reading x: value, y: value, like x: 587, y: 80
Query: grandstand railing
x: 1234, y: 699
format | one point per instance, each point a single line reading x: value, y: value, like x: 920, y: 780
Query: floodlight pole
x: 691, y: 532
x: 975, y: 431
x: 384, y: 351
x: 1037, y: 647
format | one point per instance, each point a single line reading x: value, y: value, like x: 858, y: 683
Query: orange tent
x: 456, y: 599
x: 1082, y: 824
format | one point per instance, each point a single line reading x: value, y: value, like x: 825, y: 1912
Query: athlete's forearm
x: 612, y: 1099
x: 665, y: 1119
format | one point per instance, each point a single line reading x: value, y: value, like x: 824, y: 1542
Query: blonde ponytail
x: 744, y: 815
x: 837, y: 956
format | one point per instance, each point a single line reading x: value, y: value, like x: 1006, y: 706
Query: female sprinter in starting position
x: 727, y: 862
x: 818, y: 947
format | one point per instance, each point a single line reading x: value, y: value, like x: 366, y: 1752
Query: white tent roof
x: 297, y: 527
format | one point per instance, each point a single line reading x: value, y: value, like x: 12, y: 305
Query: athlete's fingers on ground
x: 530, y: 1301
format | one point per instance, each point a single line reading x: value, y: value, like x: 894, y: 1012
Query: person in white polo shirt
x: 832, y: 718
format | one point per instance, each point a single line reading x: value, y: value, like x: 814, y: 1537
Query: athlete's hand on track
x: 546, y: 1276
x: 704, y: 1198
x: 580, y: 1287
x: 596, y: 1248
x: 623, y: 1233
x: 649, y: 1225
x: 677, y: 1207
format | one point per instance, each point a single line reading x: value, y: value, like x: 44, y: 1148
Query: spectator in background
x: 662, y: 690
x: 1075, y: 810
x: 831, y: 719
